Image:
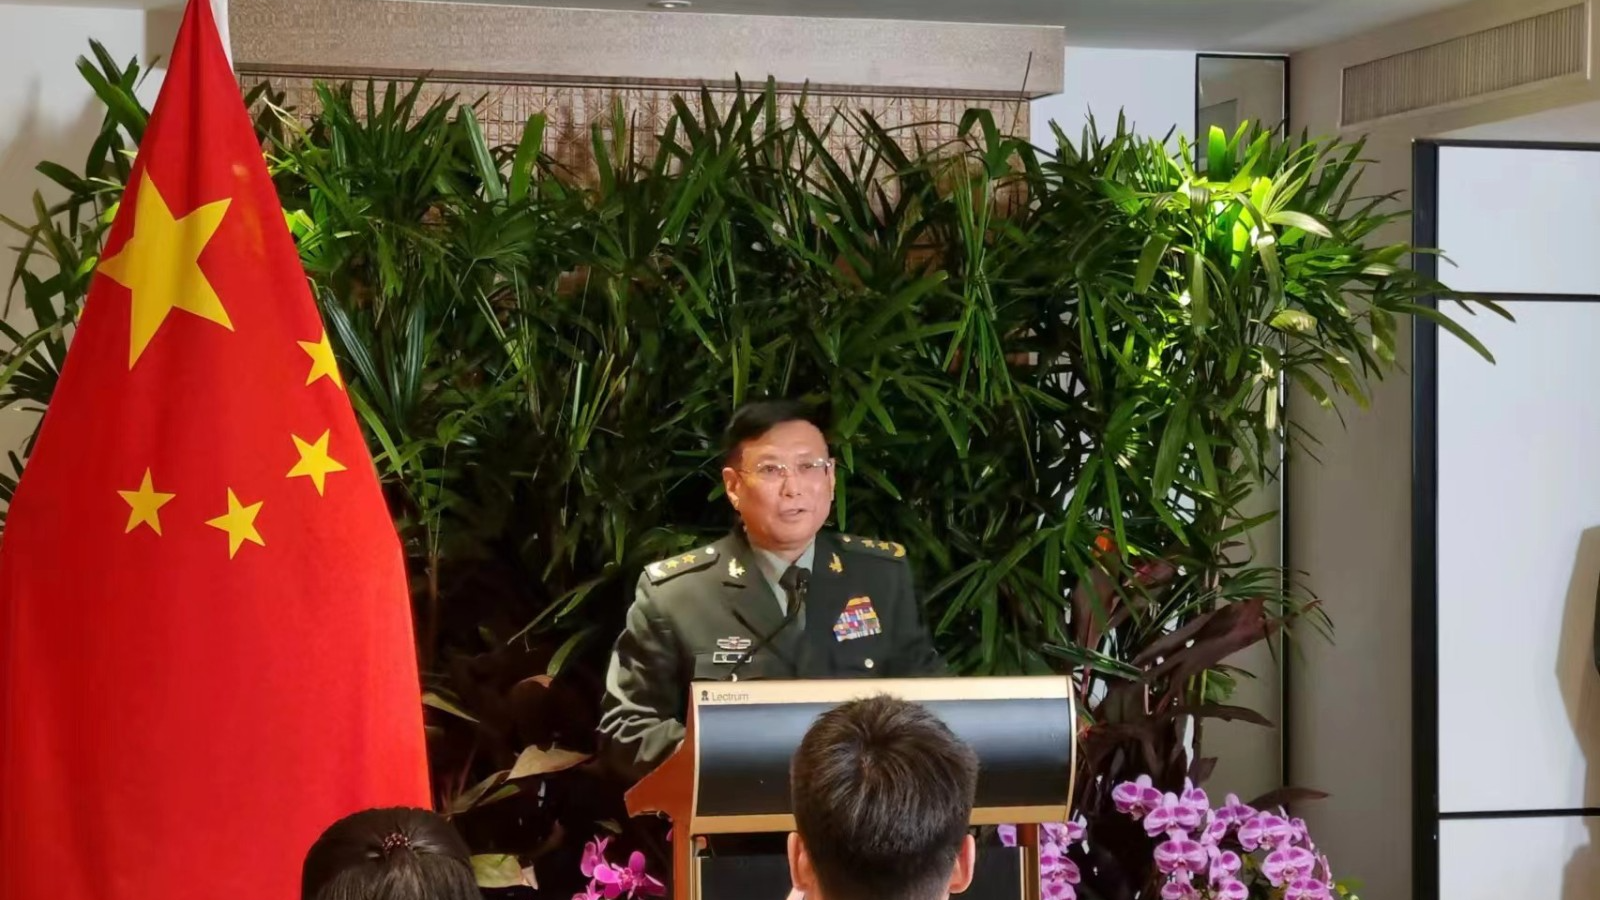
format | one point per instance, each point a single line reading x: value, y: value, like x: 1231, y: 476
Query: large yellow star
x: 239, y: 523
x: 315, y: 462
x: 160, y: 264
x: 145, y: 505
x: 322, y: 362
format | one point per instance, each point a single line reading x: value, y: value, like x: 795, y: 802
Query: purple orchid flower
x: 1233, y: 812
x: 1173, y: 812
x: 1136, y: 798
x: 1231, y: 889
x: 594, y: 856
x: 631, y: 880
x: 1055, y: 889
x: 1224, y: 864
x: 1306, y: 889
x: 1214, y: 832
x: 1287, y: 864
x: 1180, y: 855
x: 1195, y: 796
x: 1264, y: 830
x: 1179, y: 890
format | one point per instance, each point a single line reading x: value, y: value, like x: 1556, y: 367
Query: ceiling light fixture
x: 671, y: 4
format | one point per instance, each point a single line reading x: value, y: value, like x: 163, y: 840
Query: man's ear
x: 966, y: 860
x: 730, y: 484
x: 800, y: 872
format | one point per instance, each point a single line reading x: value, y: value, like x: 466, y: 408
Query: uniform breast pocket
x: 862, y: 657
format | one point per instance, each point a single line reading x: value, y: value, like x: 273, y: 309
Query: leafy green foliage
x: 1056, y: 377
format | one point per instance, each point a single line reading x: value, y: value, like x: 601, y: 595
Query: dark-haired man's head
x: 778, y: 474
x: 882, y: 795
x: 389, y: 854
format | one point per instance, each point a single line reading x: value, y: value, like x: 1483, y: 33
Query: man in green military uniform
x: 777, y: 598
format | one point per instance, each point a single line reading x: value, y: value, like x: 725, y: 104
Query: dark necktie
x: 793, y: 581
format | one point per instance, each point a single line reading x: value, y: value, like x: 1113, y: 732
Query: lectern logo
x: 724, y: 696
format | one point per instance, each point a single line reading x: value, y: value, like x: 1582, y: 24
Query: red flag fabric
x: 206, y: 651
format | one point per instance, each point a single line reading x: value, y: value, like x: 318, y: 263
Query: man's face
x: 782, y: 485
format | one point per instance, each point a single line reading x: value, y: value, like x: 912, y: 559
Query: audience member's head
x: 882, y: 795
x: 389, y: 854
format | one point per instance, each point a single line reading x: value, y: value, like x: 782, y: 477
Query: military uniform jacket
x: 695, y: 615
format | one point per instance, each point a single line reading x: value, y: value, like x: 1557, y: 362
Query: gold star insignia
x: 688, y: 558
x: 239, y: 523
x: 145, y: 503
x: 672, y: 563
x: 323, y: 365
x: 836, y: 565
x: 845, y: 537
x: 315, y: 463
x: 734, y: 569
x: 160, y: 265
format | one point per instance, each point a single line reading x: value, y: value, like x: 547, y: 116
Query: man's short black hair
x: 882, y: 794
x: 756, y: 418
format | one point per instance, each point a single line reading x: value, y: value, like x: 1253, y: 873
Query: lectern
x: 730, y: 775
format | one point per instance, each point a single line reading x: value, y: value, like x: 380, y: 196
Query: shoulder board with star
x: 668, y: 569
x: 873, y: 546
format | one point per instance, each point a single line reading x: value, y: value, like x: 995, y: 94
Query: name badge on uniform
x: 731, y: 650
x: 858, y: 620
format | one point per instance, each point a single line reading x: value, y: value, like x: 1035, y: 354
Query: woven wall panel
x: 571, y: 109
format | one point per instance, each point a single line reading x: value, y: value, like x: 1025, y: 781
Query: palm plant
x: 1055, y: 376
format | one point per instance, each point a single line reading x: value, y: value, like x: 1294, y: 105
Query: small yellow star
x: 672, y: 563
x: 146, y: 504
x: 688, y: 558
x: 322, y: 362
x: 160, y: 265
x: 315, y: 463
x: 239, y: 523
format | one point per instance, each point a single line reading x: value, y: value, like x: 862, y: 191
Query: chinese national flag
x: 206, y: 652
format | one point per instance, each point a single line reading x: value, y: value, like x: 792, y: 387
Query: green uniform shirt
x: 694, y: 616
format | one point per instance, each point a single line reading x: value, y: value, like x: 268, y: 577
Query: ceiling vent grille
x: 1537, y: 48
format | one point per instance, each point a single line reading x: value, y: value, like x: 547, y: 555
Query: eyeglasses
x: 808, y: 470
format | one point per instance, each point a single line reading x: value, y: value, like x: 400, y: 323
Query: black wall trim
x: 1424, y: 539
x: 1579, y: 812
x: 1516, y: 297
x: 1518, y: 145
x: 1425, y: 811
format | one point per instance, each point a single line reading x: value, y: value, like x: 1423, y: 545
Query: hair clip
x: 396, y: 841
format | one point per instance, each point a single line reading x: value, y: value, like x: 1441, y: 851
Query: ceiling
x: 1265, y: 26
x: 1237, y: 25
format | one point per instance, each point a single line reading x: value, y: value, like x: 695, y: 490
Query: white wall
x: 1154, y: 88
x: 48, y: 112
x: 1350, y: 509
